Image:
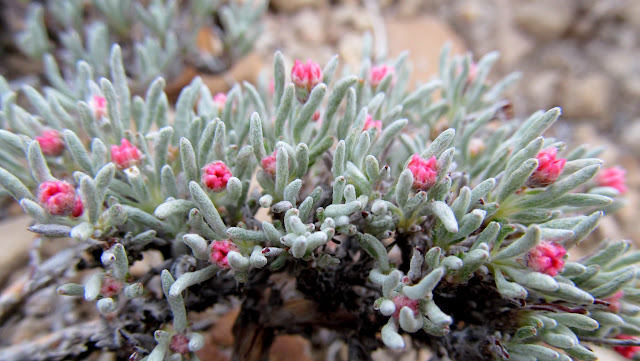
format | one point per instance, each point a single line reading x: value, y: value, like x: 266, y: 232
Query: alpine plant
x: 377, y: 214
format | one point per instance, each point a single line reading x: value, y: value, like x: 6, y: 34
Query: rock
x: 513, y: 46
x: 246, y: 68
x: 477, y: 22
x: 631, y: 13
x: 544, y: 19
x: 15, y: 244
x: 350, y: 50
x: 541, y: 88
x: 289, y: 6
x: 588, y: 96
x: 308, y: 25
x: 409, y: 8
x: 631, y: 135
x: 423, y: 37
x: 350, y: 16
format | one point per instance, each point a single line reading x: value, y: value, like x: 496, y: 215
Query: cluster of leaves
x: 329, y: 176
x: 159, y: 38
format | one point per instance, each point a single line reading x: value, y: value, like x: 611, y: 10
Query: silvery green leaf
x: 284, y: 110
x: 535, y: 280
x: 70, y: 289
x: 423, y: 288
x: 583, y: 228
x: 389, y: 133
x: 78, y: 151
x: 335, y: 98
x: 517, y: 179
x: 198, y: 245
x: 304, y: 116
x: 133, y: 290
x: 559, y: 188
x: 581, y: 353
x: 537, y: 351
x: 92, y: 286
x: 390, y: 336
x: 436, y: 315
x: 508, y: 289
x: 575, y: 320
x: 608, y: 254
x: 106, y: 305
x: 237, y: 233
x: 153, y: 96
x: 613, y: 285
x: 408, y: 321
x: 439, y: 144
x: 445, y: 214
x: 375, y: 249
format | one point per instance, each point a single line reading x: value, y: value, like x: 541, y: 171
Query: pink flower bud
x: 216, y: 175
x: 305, y: 77
x: 57, y: 197
x: 78, y: 209
x: 613, y: 177
x: 99, y: 106
x: 125, y: 155
x: 179, y: 344
x: 549, y: 168
x: 370, y: 123
x: 316, y: 116
x: 627, y: 351
x: 547, y: 258
x: 424, y: 172
x: 473, y: 72
x: 378, y: 73
x: 269, y: 164
x: 220, y: 100
x: 51, y: 143
x: 110, y: 287
x: 402, y: 301
x: 614, y: 301
x: 219, y: 251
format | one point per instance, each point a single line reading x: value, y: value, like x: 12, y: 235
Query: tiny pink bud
x: 549, y: 168
x: 51, y: 143
x: 378, y: 73
x: 99, y: 106
x: 269, y: 164
x: 370, y: 123
x: 219, y: 251
x: 272, y: 86
x: 614, y: 301
x: 473, y: 72
x: 627, y: 351
x: 220, y: 100
x: 179, y: 344
x: 57, y: 197
x: 402, y: 301
x: 316, y: 116
x: 613, y: 177
x: 215, y: 176
x: 110, y: 287
x: 305, y: 77
x: 424, y: 172
x: 125, y: 155
x: 78, y: 209
x: 547, y: 258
